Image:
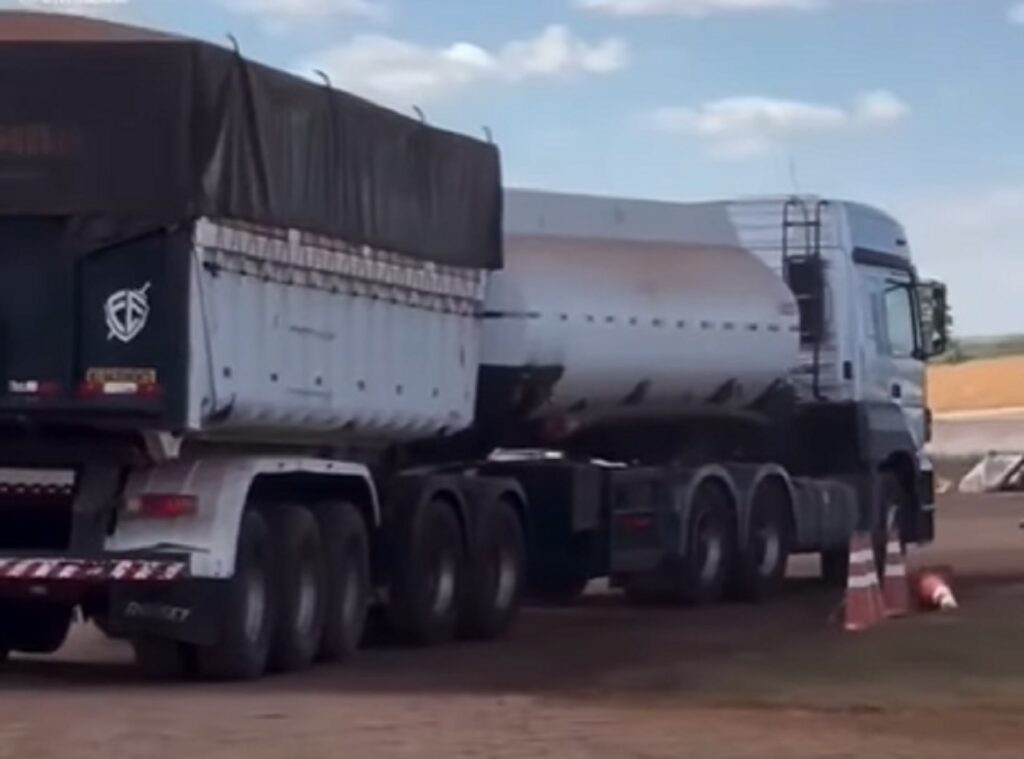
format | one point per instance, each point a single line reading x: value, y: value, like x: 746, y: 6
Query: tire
x: 160, y: 659
x: 429, y: 572
x: 249, y: 608
x: 347, y: 580
x: 647, y: 589
x: 701, y: 575
x: 34, y: 627
x: 301, y: 586
x: 835, y: 567
x: 496, y: 573
x: 562, y: 580
x: 894, y: 505
x: 760, y: 568
x: 562, y: 590
x: 103, y: 625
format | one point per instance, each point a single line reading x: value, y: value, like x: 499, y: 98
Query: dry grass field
x: 979, y: 385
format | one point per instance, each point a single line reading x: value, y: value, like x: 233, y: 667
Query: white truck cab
x: 868, y: 326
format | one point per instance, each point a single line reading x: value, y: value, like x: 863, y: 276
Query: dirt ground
x: 983, y: 384
x: 603, y: 680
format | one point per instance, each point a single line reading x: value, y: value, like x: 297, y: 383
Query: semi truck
x: 279, y: 366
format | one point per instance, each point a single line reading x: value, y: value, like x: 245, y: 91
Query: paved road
x: 976, y: 434
x: 603, y: 680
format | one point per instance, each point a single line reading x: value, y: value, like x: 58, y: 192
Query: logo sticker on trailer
x: 127, y: 312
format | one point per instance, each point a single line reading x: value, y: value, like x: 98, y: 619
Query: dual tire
x: 713, y: 562
x: 295, y: 596
x: 33, y: 627
x: 446, y: 585
x: 700, y: 574
x: 894, y: 503
x: 301, y: 588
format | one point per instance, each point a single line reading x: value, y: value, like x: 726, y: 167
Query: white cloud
x: 973, y: 239
x: 403, y: 73
x: 699, y: 8
x: 880, y: 108
x: 1016, y: 13
x: 739, y: 127
x: 103, y: 9
x: 282, y: 15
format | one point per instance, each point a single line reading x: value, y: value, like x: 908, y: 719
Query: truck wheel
x: 34, y: 627
x: 647, y: 588
x: 103, y: 625
x: 563, y: 590
x: 894, y: 504
x: 562, y: 579
x: 249, y: 608
x: 161, y: 659
x: 428, y: 575
x: 760, y: 568
x: 496, y: 575
x: 347, y: 582
x: 703, y: 571
x: 301, y: 582
x: 835, y: 566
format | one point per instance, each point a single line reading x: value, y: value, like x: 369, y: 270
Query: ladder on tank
x: 804, y: 272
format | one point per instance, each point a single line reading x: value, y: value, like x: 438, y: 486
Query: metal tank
x: 620, y: 307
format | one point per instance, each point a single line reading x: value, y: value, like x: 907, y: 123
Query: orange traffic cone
x: 933, y: 591
x: 864, y: 608
x: 895, y: 585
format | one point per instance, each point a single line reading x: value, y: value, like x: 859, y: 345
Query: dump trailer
x: 277, y: 361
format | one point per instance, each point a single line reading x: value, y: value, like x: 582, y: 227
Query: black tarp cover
x: 124, y: 131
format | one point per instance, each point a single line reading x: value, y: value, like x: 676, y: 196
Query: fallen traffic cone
x: 933, y: 591
x: 863, y: 599
x: 895, y: 584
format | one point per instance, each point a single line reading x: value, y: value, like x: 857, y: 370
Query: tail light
x: 163, y: 506
x: 117, y: 382
x: 635, y: 522
x: 119, y: 389
x: 34, y: 388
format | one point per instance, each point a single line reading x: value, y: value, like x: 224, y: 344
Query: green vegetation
x: 970, y: 348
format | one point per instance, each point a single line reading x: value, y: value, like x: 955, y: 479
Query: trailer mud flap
x: 185, y: 611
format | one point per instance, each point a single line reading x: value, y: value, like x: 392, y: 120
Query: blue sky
x: 913, y: 105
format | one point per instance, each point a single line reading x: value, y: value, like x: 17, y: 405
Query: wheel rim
x: 443, y: 583
x: 769, y: 549
x: 350, y: 603
x: 892, y: 515
x: 507, y: 576
x: 711, y: 550
x: 305, y: 611
x: 255, y: 604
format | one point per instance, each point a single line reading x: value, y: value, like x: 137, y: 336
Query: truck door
x: 891, y: 343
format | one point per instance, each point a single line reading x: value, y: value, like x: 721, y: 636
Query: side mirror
x: 935, y: 318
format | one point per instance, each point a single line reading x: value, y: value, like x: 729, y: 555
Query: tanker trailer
x: 691, y: 393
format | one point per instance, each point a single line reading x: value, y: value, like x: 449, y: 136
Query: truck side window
x: 899, y: 321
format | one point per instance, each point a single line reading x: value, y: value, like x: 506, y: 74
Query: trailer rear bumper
x: 45, y: 571
x: 137, y: 595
